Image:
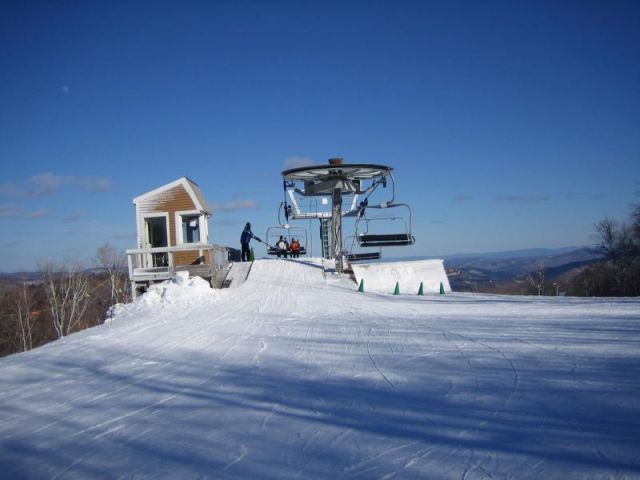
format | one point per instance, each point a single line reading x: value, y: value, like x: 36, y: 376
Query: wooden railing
x: 155, y: 264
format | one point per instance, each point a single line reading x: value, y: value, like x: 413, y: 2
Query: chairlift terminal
x: 339, y: 181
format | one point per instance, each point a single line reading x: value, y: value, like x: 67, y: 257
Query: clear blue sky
x: 509, y: 124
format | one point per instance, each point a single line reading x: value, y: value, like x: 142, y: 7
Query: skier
x: 245, y: 238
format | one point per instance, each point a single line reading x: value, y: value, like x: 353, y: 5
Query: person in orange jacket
x: 295, y: 248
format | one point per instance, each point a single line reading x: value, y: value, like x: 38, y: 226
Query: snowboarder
x: 245, y: 238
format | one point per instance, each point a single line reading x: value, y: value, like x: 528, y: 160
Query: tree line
x: 619, y: 274
x: 65, y: 299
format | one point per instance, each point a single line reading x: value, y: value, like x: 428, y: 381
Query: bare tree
x: 8, y: 344
x: 617, y: 241
x: 635, y: 227
x: 17, y: 322
x: 23, y: 306
x: 113, y: 262
x: 607, y: 231
x: 67, y: 292
x: 536, y: 279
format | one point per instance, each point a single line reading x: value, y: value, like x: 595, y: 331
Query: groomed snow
x: 297, y: 375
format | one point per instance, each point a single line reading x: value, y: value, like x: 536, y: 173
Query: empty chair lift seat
x: 386, y: 240
x: 363, y: 257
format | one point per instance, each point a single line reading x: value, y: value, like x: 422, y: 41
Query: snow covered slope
x: 295, y: 374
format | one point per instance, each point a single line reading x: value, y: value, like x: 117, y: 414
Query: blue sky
x: 509, y: 124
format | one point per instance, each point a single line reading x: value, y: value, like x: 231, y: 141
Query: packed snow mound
x: 179, y: 292
x: 382, y: 277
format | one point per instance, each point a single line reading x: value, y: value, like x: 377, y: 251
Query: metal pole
x: 336, y: 233
x: 310, y: 240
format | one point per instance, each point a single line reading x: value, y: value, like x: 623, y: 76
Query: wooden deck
x: 149, y: 265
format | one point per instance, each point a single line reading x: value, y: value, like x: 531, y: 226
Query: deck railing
x: 156, y: 264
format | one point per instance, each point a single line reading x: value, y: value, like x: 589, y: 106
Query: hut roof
x: 189, y: 185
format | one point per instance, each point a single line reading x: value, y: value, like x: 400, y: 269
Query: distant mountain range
x: 507, y: 266
x: 510, y: 254
x: 525, y: 253
x: 21, y: 276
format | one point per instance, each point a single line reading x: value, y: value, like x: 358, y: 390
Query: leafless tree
x: 67, y: 292
x: 113, y: 262
x: 617, y: 241
x: 23, y: 306
x: 536, y: 279
x: 635, y: 217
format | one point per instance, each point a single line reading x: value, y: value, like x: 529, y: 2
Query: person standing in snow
x: 245, y: 238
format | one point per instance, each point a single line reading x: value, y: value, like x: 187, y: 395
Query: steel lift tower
x: 339, y: 181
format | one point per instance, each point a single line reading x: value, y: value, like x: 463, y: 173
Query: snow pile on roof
x: 382, y: 277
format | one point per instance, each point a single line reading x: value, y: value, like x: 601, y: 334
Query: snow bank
x: 180, y: 292
x: 382, y: 277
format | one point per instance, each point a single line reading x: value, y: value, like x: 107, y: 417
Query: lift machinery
x: 338, y: 182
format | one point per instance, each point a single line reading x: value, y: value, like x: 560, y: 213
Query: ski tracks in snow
x: 316, y: 380
x: 386, y: 379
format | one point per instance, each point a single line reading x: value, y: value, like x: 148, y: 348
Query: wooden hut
x: 173, y: 235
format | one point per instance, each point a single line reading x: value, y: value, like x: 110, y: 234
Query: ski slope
x: 294, y: 374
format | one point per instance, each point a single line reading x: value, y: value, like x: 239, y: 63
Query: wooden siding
x: 170, y: 201
x: 177, y: 199
x: 186, y: 258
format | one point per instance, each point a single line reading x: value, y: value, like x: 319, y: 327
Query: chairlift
x: 288, y: 232
x: 350, y: 189
x: 363, y: 256
x: 367, y: 237
x: 353, y: 254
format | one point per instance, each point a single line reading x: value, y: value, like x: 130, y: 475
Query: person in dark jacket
x: 282, y: 247
x: 246, y: 236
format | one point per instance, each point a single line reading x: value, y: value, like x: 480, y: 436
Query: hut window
x: 190, y: 229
